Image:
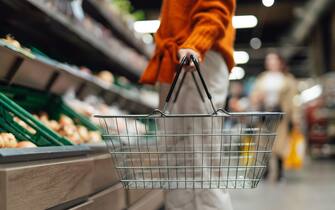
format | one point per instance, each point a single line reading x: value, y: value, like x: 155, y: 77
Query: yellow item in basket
x: 248, y: 148
x: 296, y: 151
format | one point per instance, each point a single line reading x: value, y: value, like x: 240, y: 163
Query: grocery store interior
x: 68, y: 67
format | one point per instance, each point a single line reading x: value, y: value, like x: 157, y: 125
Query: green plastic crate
x: 42, y: 135
x: 36, y: 101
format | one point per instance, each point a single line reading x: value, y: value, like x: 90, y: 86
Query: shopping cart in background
x: 190, y: 151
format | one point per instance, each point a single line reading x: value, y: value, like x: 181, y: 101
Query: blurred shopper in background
x: 204, y: 29
x: 274, y: 91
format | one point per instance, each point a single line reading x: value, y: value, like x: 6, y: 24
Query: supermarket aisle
x: 312, y: 189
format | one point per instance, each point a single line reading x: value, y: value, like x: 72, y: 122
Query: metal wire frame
x: 190, y: 151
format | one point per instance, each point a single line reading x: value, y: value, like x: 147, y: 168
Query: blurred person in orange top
x: 202, y: 28
x: 274, y: 91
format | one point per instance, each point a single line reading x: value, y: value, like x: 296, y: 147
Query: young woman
x: 274, y: 90
x: 204, y: 29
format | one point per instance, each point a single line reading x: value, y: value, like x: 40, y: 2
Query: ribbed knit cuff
x: 201, y: 39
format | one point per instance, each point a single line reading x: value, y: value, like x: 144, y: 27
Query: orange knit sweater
x: 197, y: 24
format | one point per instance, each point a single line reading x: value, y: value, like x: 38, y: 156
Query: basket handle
x: 185, y: 60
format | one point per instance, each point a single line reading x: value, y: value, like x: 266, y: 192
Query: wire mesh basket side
x: 191, y: 151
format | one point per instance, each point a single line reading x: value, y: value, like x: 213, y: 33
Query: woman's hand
x: 188, y: 52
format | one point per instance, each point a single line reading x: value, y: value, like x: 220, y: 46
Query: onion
x: 9, y: 140
x: 2, y: 142
x: 65, y: 120
x: 25, y: 144
x: 106, y: 76
x: 95, y: 137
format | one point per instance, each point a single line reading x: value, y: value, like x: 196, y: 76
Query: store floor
x: 311, y: 189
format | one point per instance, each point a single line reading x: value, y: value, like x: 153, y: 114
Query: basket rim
x: 167, y: 115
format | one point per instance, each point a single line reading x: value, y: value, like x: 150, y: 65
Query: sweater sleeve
x: 210, y: 18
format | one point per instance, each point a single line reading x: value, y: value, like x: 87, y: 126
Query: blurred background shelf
x: 66, y: 39
x: 112, y: 20
x: 49, y: 75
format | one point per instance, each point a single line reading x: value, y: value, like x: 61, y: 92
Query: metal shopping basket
x: 190, y: 151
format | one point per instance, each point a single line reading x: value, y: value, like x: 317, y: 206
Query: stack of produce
x: 9, y: 40
x: 65, y: 127
x: 93, y: 105
x: 8, y: 140
x: 106, y: 76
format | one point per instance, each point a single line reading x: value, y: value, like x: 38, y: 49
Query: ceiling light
x: 147, y: 38
x: 244, y: 21
x: 151, y: 26
x: 146, y: 26
x: 255, y: 43
x: 311, y: 93
x: 268, y: 3
x: 237, y: 73
x: 241, y: 57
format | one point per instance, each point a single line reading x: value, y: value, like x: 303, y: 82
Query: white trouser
x: 215, y: 73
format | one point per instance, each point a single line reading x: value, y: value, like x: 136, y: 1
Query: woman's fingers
x: 189, y: 67
x: 182, y: 53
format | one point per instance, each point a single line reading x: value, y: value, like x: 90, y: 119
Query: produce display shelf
x: 115, y: 56
x: 112, y: 21
x: 53, y: 25
x: 42, y: 153
x: 34, y: 101
x: 49, y: 75
x: 11, y: 118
